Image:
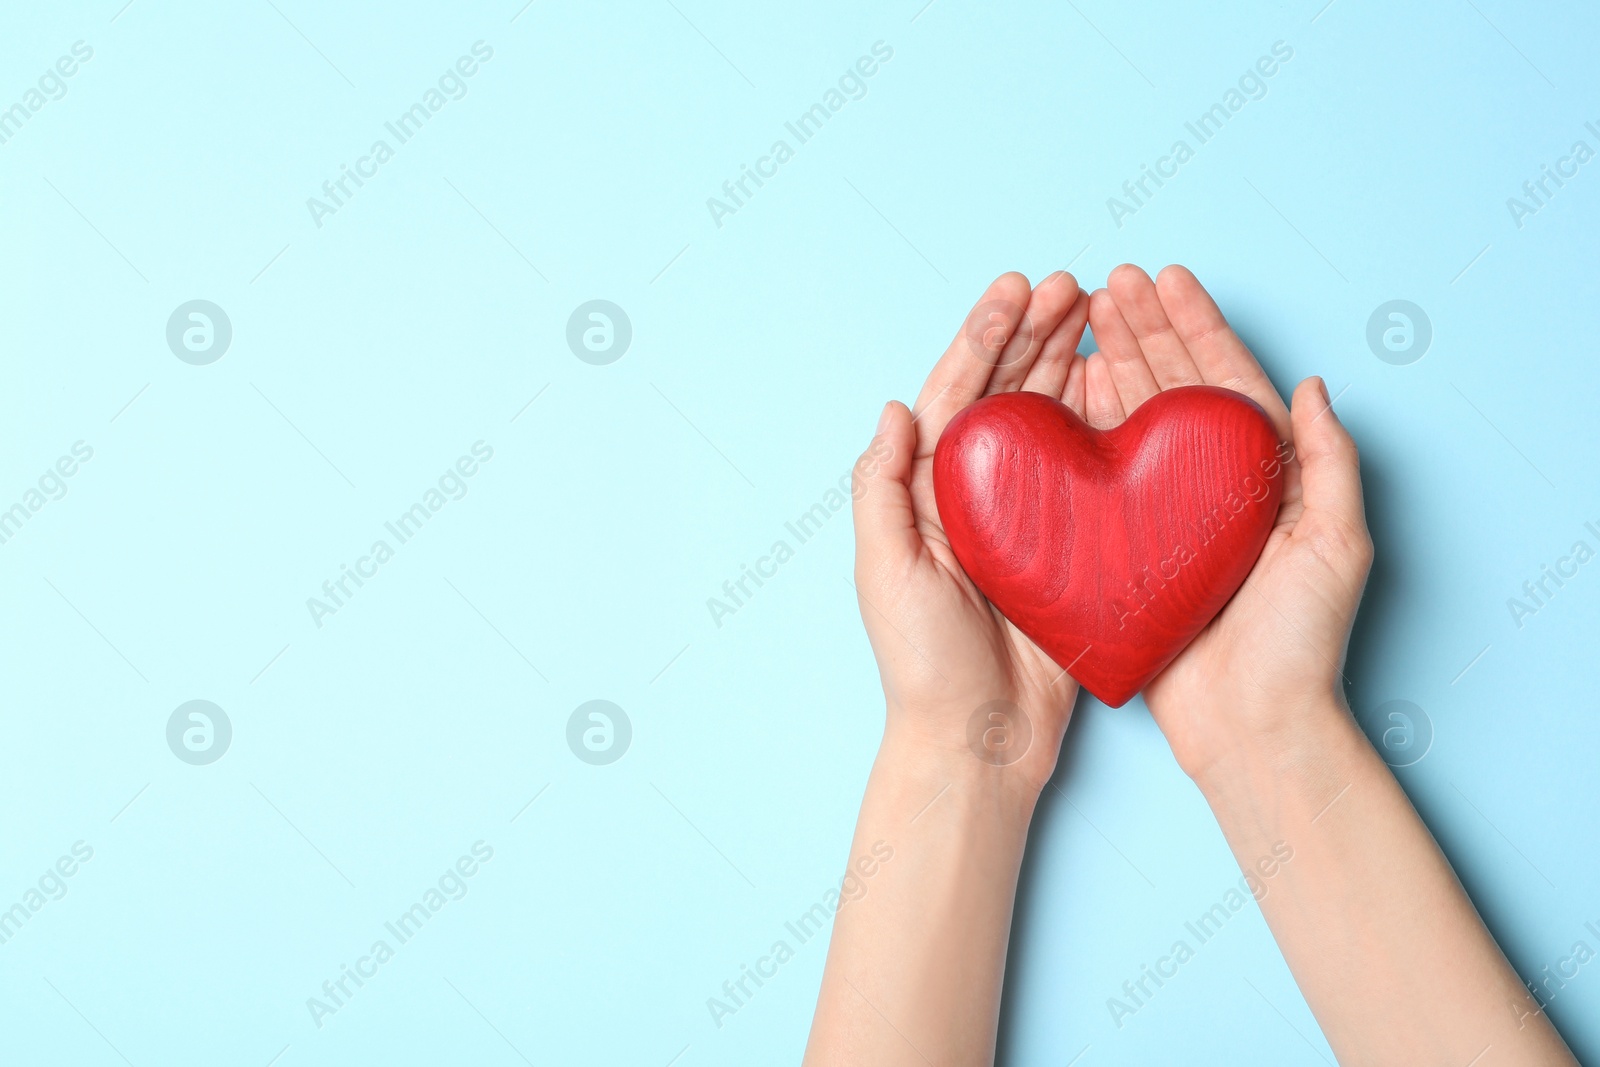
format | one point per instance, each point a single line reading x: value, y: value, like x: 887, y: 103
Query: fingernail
x: 1322, y: 387
x: 883, y: 420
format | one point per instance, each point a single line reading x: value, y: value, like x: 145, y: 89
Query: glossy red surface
x: 1111, y: 550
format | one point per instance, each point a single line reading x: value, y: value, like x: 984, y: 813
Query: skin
x: 1386, y: 947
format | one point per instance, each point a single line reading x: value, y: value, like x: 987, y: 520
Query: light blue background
x: 370, y: 353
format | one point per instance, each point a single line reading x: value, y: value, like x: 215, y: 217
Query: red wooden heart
x: 1111, y: 550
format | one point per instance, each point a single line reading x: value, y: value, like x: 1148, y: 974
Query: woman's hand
x: 919, y: 947
x: 943, y: 651
x: 1356, y: 892
x: 1275, y: 654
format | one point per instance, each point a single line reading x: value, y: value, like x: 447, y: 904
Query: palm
x: 1295, y: 605
x: 978, y: 626
x: 939, y: 641
x: 941, y: 645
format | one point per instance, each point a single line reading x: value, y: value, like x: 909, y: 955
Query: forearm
x: 916, y: 961
x: 1387, y: 949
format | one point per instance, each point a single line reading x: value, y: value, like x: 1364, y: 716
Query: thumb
x: 880, y: 485
x: 1330, y: 471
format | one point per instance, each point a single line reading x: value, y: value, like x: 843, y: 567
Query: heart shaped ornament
x: 1110, y: 549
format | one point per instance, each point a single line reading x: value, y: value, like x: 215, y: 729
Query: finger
x: 1123, y: 358
x: 1060, y: 350
x: 880, y: 484
x: 1072, y: 392
x: 1222, y: 358
x: 1102, y: 405
x: 1141, y: 308
x: 962, y: 373
x: 1330, y: 468
x: 1049, y: 303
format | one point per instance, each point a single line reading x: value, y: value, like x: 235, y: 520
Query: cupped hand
x: 946, y: 656
x: 1275, y: 653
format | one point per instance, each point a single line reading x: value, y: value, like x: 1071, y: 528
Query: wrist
x: 1304, y: 761
x: 933, y: 771
x: 1219, y: 725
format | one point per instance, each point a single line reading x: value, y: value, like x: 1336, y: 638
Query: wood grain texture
x: 1111, y: 550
